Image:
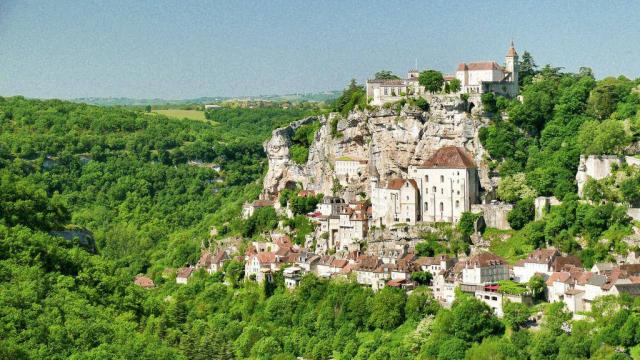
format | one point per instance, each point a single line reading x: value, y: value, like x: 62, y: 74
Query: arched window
x: 426, y: 178
x: 441, y: 178
x: 441, y: 206
x: 426, y: 206
x: 457, y: 204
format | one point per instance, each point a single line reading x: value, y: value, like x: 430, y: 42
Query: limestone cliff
x: 387, y: 139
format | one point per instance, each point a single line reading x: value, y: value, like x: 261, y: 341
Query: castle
x: 475, y: 78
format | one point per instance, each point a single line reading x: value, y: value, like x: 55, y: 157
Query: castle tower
x: 511, y: 63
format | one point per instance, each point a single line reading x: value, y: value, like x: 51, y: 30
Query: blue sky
x: 186, y: 49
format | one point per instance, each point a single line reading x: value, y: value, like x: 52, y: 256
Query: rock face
x: 387, y: 139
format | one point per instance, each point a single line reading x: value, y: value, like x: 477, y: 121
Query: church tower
x: 512, y: 65
x: 511, y: 62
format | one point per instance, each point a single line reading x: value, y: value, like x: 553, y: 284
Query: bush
x: 523, y: 212
x: 422, y: 104
x: 489, y: 102
x: 467, y: 223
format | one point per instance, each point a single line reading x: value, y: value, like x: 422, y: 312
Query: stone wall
x: 495, y: 215
x: 595, y: 167
x: 543, y: 205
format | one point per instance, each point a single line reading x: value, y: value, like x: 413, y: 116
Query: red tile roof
x: 144, y: 282
x: 262, y: 203
x: 450, y: 157
x: 339, y: 263
x: 558, y: 276
x: 485, y: 259
x: 266, y: 257
x: 396, y: 184
x: 185, y: 272
x: 205, y: 259
x: 478, y: 66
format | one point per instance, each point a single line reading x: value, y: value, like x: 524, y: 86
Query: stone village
x: 366, y: 232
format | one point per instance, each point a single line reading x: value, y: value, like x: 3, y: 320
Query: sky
x: 186, y: 48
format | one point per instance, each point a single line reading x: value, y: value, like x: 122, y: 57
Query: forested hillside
x: 126, y: 176
x: 535, y: 147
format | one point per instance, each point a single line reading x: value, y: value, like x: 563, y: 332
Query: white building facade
x: 449, y: 185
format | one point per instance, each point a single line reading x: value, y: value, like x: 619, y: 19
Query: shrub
x: 521, y: 214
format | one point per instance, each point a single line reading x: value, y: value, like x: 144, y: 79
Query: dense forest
x: 535, y: 147
x: 130, y: 178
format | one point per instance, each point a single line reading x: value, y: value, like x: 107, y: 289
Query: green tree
x: 473, y: 320
x: 455, y: 85
x: 489, y: 102
x: 385, y: 75
x: 432, y: 80
x: 515, y: 314
x: 522, y: 213
x: 528, y: 68
x: 387, y: 309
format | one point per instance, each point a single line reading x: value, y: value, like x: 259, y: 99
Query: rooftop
x: 450, y: 157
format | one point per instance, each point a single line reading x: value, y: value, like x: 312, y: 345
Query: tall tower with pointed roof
x: 511, y: 63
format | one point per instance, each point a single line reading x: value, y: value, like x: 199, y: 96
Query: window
x: 434, y: 189
x: 458, y: 192
x: 426, y: 178
x: 441, y: 178
x: 386, y: 91
x: 407, y: 197
x: 426, y: 206
x: 441, y: 190
x: 441, y: 206
x: 457, y: 204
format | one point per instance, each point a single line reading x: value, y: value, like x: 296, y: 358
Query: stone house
x: 249, y: 208
x: 446, y: 281
x: 366, y: 270
x: 144, y: 282
x: 330, y: 265
x: 404, y: 268
x: 448, y: 184
x: 396, y: 202
x: 484, y: 268
x: 353, y: 227
x: 292, y: 276
x: 436, y: 264
x: 382, y: 91
x: 260, y: 265
x: 540, y: 261
x: 212, y: 263
x: 183, y: 274
x: 308, y: 262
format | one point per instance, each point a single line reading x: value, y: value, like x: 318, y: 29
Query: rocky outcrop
x: 388, y: 139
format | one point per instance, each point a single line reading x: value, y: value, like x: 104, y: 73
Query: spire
x: 512, y: 51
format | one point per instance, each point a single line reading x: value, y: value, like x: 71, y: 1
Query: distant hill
x: 124, y: 101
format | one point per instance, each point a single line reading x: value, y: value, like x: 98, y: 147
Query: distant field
x: 180, y: 114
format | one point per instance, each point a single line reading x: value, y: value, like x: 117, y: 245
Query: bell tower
x: 511, y: 63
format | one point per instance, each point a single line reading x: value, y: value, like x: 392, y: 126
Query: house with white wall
x: 484, y: 268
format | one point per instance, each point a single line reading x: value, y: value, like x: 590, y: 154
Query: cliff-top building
x: 475, y: 78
